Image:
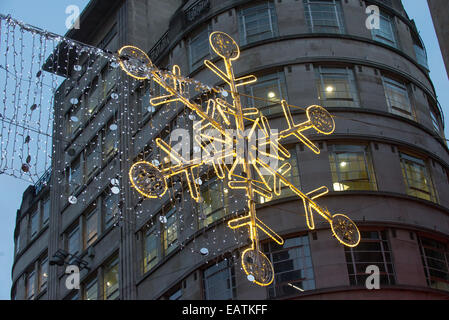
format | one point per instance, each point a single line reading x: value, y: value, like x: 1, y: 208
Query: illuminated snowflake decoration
x: 249, y: 162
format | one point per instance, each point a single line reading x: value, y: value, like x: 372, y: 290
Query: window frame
x: 272, y: 17
x: 231, y: 279
x: 397, y: 86
x: 337, y: 9
x: 404, y: 156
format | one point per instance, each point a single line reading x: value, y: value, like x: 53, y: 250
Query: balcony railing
x: 160, y: 46
x: 42, y: 182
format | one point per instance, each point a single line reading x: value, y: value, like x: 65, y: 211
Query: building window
x: 374, y: 249
x: 91, y: 158
x: 75, y: 118
x: 219, y: 281
x: 45, y: 211
x: 151, y: 247
x: 336, y: 87
x: 271, y: 90
x: 417, y: 177
x: 421, y: 53
x: 324, y: 16
x: 73, y: 241
x: 43, y: 274
x: 91, y: 230
x: 91, y: 290
x: 93, y: 96
x: 435, y: 257
x: 111, y: 285
x: 387, y: 31
x: 75, y: 176
x: 292, y: 264
x: 434, y: 117
x: 110, y: 209
x: 257, y: 22
x: 351, y: 168
x: 397, y: 97
x: 110, y: 141
x: 30, y: 285
x: 34, y: 223
x: 107, y: 81
x: 292, y: 176
x: 199, y: 48
x: 18, y: 240
x: 214, y: 204
x: 170, y: 231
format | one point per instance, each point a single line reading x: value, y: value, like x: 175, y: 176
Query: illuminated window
x: 292, y: 176
x: 151, y: 247
x: 219, y: 281
x: 268, y: 92
x: 91, y: 290
x: 292, y: 264
x: 111, y: 279
x: 91, y: 230
x: 110, y: 209
x: 73, y: 241
x: 43, y: 274
x: 417, y: 177
x: 170, y: 231
x: 435, y: 257
x: 214, y: 204
x: 199, y: 48
x: 351, y: 168
x: 34, y: 224
x: 324, y: 16
x: 336, y: 87
x: 386, y: 32
x: 374, y: 249
x: 397, y: 98
x: 30, y: 285
x: 45, y: 211
x: 257, y: 22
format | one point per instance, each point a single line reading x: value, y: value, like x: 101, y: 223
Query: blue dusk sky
x: 50, y: 15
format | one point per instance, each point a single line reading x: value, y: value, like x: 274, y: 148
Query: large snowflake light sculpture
x: 248, y: 159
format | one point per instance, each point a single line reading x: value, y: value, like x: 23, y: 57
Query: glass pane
x: 45, y: 211
x: 171, y: 232
x: 151, y: 249
x: 34, y: 223
x: 111, y: 281
x: 43, y: 276
x: 30, y: 286
x: 74, y: 241
x: 218, y: 281
x: 92, y: 290
x: 91, y: 228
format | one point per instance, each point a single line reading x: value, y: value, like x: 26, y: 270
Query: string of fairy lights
x: 28, y: 137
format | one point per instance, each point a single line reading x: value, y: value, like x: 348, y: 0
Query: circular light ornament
x: 74, y: 101
x: 204, y: 251
x: 320, y: 119
x: 163, y: 219
x: 251, y: 278
x: 134, y: 62
x: 345, y: 230
x: 113, y: 127
x: 115, y: 182
x: 224, y: 46
x: 224, y: 93
x: 115, y: 190
x: 77, y: 68
x: 257, y: 265
x: 74, y: 119
x: 147, y: 180
x: 114, y: 96
x: 73, y: 200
